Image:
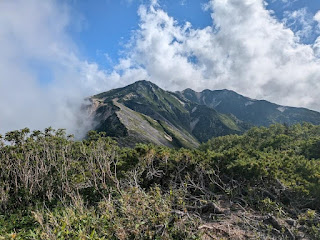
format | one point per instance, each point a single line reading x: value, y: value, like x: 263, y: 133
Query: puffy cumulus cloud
x: 245, y: 49
x: 42, y: 80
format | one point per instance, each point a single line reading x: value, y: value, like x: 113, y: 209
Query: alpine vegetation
x: 263, y: 184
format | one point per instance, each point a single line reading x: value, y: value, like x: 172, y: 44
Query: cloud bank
x: 245, y: 49
x: 34, y: 46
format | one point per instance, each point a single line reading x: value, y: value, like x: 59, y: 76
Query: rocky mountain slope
x: 143, y: 112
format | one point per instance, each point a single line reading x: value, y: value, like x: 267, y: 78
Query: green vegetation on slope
x: 256, y: 112
x: 263, y: 184
x: 188, y: 123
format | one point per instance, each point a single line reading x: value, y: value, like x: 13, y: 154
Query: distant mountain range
x: 143, y: 112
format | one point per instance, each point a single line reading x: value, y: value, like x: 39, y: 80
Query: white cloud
x: 316, y: 47
x: 246, y: 49
x: 33, y: 41
x: 301, y: 22
x: 317, y: 17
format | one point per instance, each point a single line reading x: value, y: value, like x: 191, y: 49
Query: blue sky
x: 56, y: 53
x: 107, y: 24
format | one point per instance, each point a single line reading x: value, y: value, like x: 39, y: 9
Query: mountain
x: 143, y: 112
x: 256, y: 112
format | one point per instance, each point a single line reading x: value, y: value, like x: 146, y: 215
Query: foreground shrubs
x: 276, y: 162
x: 52, y: 187
x: 133, y: 215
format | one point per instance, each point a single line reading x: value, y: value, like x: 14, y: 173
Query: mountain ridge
x: 144, y: 112
x: 253, y: 111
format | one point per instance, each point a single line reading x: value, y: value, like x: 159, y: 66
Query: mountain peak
x: 144, y: 83
x: 188, y: 90
x: 142, y: 111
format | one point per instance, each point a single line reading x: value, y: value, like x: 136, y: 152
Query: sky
x: 56, y: 53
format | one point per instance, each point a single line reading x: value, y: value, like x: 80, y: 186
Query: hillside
x: 256, y: 112
x: 143, y: 112
x: 263, y: 184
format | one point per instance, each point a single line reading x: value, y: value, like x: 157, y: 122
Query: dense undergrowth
x: 52, y: 187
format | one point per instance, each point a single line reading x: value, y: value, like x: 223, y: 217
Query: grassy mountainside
x: 264, y: 184
x: 256, y: 112
x: 179, y: 122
